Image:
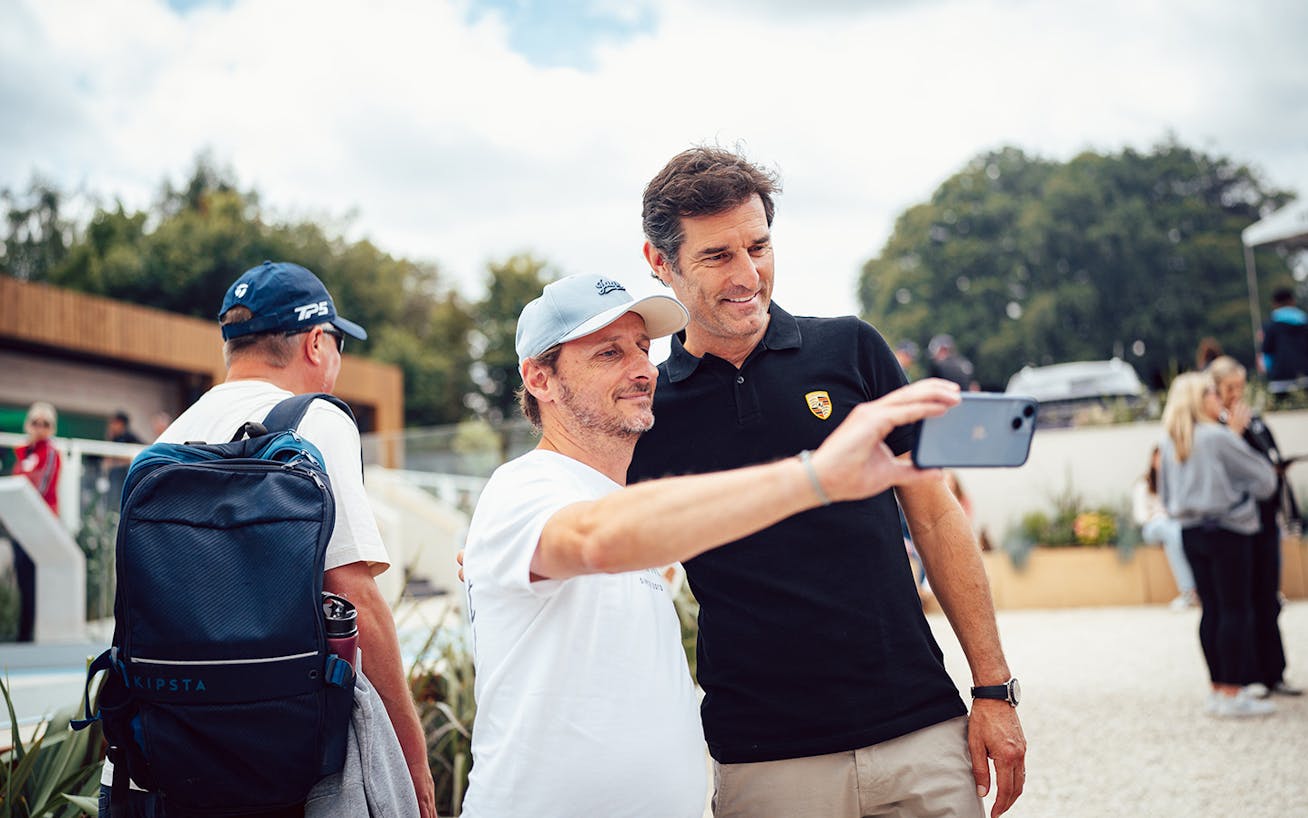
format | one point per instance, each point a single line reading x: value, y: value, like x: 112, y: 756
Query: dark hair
x: 527, y: 402
x: 1209, y: 350
x: 121, y: 417
x: 275, y: 348
x: 702, y: 181
x: 1282, y: 296
x: 1151, y: 476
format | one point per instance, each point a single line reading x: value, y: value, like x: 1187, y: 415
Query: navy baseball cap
x: 285, y: 297
x: 581, y: 304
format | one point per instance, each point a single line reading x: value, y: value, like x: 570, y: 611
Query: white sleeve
x: 355, y: 538
x: 507, y: 525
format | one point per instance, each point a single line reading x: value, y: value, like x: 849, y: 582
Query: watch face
x: 1014, y: 691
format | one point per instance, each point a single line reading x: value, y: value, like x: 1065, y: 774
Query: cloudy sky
x: 461, y: 131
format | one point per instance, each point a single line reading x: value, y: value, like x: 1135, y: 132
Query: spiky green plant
x: 441, y: 680
x: 55, y: 774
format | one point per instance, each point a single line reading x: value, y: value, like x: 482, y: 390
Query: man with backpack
x: 282, y: 338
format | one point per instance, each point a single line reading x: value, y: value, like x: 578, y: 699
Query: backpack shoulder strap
x: 286, y: 416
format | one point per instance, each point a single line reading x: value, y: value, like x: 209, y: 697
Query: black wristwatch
x: 1010, y: 691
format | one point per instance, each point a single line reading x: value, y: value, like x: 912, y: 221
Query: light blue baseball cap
x: 581, y: 304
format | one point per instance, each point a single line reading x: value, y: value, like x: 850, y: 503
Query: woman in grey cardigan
x: 1210, y: 482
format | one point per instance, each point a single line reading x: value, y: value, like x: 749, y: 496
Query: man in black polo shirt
x: 826, y: 694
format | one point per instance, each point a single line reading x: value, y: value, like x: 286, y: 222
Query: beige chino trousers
x: 925, y: 773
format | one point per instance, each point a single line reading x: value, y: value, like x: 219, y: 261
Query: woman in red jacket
x: 38, y: 459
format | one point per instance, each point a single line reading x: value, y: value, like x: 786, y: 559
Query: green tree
x: 183, y: 252
x: 510, y: 284
x: 36, y: 233
x: 1028, y: 261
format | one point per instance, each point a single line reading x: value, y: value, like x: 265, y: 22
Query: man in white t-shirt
x: 282, y: 338
x: 584, y: 702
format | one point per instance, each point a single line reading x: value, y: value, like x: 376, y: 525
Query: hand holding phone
x: 985, y: 430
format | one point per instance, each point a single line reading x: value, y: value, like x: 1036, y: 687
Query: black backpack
x: 222, y: 695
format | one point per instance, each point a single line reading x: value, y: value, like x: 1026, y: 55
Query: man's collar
x: 782, y: 333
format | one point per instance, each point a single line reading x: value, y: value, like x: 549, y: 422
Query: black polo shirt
x: 811, y: 635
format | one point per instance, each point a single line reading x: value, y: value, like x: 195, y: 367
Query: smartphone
x: 985, y: 430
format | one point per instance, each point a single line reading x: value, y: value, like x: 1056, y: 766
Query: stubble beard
x: 613, y: 424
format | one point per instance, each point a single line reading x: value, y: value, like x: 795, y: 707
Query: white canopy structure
x: 1288, y: 226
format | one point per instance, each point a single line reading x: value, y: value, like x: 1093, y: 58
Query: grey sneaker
x: 1241, y: 706
x: 1284, y: 688
x: 1257, y: 690
x: 1184, y: 602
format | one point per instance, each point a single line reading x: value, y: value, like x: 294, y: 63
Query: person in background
x: 39, y: 462
x: 1208, y: 351
x: 159, y: 422
x: 906, y: 354
x: 1210, y: 481
x: 944, y: 361
x: 1285, y: 342
x: 1230, y: 377
x: 38, y: 459
x: 1156, y: 527
x: 119, y: 430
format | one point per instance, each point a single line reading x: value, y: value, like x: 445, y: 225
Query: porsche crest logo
x: 819, y: 403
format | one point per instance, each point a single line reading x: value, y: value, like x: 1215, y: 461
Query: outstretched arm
x: 671, y: 520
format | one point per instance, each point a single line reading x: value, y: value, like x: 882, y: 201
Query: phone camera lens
x: 1017, y: 424
x: 1028, y: 411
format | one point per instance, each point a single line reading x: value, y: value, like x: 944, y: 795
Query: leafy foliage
x: 441, y: 680
x: 46, y: 776
x: 10, y: 603
x: 1028, y: 261
x: 182, y: 253
x: 510, y: 284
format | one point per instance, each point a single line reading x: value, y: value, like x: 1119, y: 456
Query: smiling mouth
x: 742, y: 300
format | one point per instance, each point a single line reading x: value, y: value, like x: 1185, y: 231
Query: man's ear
x: 659, y: 264
x: 536, y: 380
x: 311, y: 345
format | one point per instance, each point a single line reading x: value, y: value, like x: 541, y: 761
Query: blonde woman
x: 38, y: 460
x: 1229, y: 375
x: 1210, y: 482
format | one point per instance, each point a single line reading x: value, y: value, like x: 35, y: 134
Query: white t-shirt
x: 584, y: 701
x: 216, y: 416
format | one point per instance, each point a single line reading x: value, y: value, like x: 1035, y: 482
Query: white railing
x: 458, y: 490
x: 73, y: 452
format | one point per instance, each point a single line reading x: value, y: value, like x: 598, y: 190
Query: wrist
x: 1009, y: 693
x: 811, y: 476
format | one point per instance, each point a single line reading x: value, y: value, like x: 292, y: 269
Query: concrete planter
x: 1079, y: 577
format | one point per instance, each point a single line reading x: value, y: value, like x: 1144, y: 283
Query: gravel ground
x: 1114, y: 721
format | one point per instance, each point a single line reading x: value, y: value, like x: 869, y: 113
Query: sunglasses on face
x: 39, y: 423
x: 336, y: 334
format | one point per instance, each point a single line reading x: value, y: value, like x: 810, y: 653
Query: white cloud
x: 452, y: 147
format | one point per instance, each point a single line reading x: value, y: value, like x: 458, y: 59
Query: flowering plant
x: 1094, y: 528
x: 1072, y: 523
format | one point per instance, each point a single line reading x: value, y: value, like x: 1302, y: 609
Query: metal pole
x: 1255, y: 314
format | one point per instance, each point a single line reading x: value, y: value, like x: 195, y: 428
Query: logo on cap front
x: 242, y: 289
x: 608, y: 285
x: 819, y: 403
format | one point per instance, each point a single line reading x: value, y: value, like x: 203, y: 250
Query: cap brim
x: 663, y: 315
x: 349, y: 328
